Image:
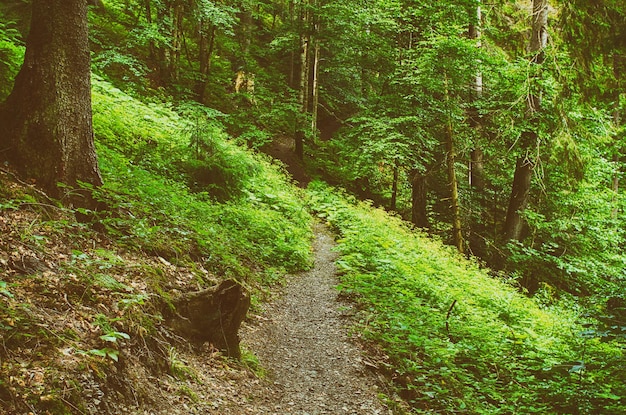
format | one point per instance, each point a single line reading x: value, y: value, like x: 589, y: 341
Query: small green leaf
x: 98, y: 352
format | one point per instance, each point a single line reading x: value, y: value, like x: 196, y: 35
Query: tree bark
x: 176, y: 12
x: 457, y: 232
x: 212, y: 315
x: 206, y: 43
x: 476, y: 164
x: 47, y: 119
x: 419, y: 216
x: 316, y: 83
x: 305, y: 40
x: 518, y: 200
x: 477, y: 170
x: 394, y: 186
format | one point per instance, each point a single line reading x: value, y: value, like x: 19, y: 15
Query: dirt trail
x: 302, y: 340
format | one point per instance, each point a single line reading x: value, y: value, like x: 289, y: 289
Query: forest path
x: 302, y: 340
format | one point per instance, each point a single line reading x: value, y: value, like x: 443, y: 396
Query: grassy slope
x: 456, y: 339
x: 81, y: 310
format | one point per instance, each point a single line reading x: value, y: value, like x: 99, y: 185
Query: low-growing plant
x: 458, y: 339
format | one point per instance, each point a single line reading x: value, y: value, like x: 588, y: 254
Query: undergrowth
x: 457, y: 339
x: 82, y: 304
x: 241, y: 219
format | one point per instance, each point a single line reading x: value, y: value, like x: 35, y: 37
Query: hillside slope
x: 83, y: 305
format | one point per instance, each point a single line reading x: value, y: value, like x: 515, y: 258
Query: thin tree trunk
x: 304, y: 73
x: 477, y: 170
x: 304, y: 83
x: 177, y: 40
x: 246, y: 24
x: 476, y: 164
x: 394, y: 186
x: 419, y: 216
x: 316, y: 84
x: 205, y: 45
x: 46, y: 121
x: 457, y: 232
x: 292, y: 56
x: 617, y: 123
x: 151, y: 46
x: 616, y: 173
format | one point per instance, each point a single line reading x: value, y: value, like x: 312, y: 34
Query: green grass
x: 244, y: 221
x: 458, y: 339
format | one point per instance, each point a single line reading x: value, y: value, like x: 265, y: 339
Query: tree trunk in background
x: 316, y: 83
x: 206, y: 42
x: 477, y: 170
x: 151, y: 47
x: 518, y: 200
x: 305, y: 67
x: 163, y: 52
x: 245, y: 28
x: 177, y: 10
x: 520, y: 189
x: 304, y: 72
x: 292, y: 55
x: 615, y: 187
x: 419, y: 217
x: 457, y: 232
x: 46, y: 122
x: 394, y: 186
x: 476, y: 164
x: 476, y: 203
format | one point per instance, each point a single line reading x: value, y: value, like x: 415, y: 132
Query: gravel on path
x: 302, y: 340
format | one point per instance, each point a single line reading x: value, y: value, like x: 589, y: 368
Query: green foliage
x: 178, y: 368
x: 4, y: 289
x: 458, y: 339
x: 163, y: 173
x: 11, y: 56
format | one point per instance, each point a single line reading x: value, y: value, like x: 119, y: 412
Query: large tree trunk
x: 46, y: 122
